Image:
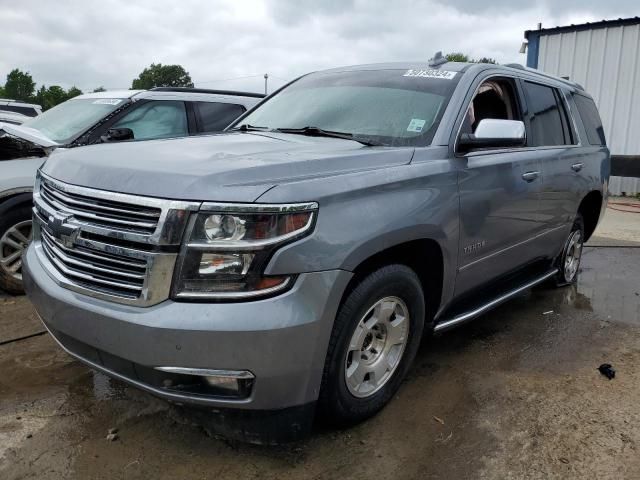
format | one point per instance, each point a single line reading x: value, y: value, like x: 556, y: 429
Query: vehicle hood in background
x: 231, y: 167
x: 29, y: 134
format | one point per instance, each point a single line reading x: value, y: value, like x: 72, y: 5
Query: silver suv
x: 90, y: 119
x: 293, y: 264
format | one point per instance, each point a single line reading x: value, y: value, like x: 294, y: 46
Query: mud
x: 515, y: 394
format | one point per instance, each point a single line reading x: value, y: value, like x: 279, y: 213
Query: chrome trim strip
x: 491, y: 255
x: 172, y: 396
x: 465, y: 317
x: 214, y: 207
x: 205, y: 372
x: 234, y: 295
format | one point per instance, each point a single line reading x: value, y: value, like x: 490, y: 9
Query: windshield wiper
x: 319, y: 132
x: 245, y: 127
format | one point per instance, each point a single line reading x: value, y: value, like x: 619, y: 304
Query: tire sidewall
x: 578, y: 224
x: 391, y: 281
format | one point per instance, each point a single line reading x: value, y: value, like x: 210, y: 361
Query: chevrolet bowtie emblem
x: 61, y: 230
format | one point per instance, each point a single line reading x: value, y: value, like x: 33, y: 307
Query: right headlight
x: 228, y: 247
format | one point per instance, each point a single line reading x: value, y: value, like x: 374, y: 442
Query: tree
x: 461, y: 57
x: 158, y: 75
x: 99, y: 89
x: 73, y: 92
x: 19, y: 86
x: 457, y: 57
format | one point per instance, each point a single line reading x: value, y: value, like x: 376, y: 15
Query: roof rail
x: 207, y: 90
x: 515, y: 65
x: 7, y: 100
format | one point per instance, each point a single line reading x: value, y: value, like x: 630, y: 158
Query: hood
x: 231, y: 167
x: 29, y: 134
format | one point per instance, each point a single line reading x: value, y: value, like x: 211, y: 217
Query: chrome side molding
x: 470, y: 315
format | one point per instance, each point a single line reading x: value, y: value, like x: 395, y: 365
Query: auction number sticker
x: 431, y: 73
x: 107, y: 101
x: 416, y: 125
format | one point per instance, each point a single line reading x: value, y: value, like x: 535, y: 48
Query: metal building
x: 604, y: 57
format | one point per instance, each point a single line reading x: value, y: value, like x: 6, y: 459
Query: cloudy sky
x: 232, y: 43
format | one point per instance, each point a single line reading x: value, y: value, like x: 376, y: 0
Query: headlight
x: 229, y: 245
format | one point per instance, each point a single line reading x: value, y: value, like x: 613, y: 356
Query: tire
x: 569, y: 260
x: 15, y: 227
x: 362, y: 340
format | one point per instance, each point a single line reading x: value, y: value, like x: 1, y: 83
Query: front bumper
x: 282, y: 341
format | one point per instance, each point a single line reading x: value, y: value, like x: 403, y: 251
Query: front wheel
x: 375, y: 337
x: 569, y: 262
x: 15, y: 235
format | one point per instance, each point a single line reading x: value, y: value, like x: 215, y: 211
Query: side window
x: 548, y: 121
x: 156, y: 119
x: 215, y: 116
x: 495, y: 99
x: 590, y: 119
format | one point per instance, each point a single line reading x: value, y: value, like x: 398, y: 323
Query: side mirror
x: 117, y: 135
x: 494, y: 133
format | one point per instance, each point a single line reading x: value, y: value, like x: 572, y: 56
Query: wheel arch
x: 590, y: 208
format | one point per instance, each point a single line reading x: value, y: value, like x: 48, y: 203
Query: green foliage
x: 457, y: 57
x: 55, y: 94
x: 461, y: 57
x: 2, y: 92
x: 99, y: 89
x: 158, y: 75
x: 19, y: 86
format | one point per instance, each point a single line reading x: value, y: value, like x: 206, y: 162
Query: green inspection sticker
x: 416, y: 125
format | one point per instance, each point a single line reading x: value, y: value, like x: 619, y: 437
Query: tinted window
x: 393, y: 107
x: 547, y: 126
x: 590, y: 119
x: 156, y: 119
x: 214, y: 116
x: 28, y: 111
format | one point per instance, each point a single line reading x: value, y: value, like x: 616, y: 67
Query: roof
x: 208, y: 90
x: 110, y: 94
x: 620, y: 22
x: 421, y: 65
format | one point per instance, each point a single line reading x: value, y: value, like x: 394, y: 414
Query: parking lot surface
x: 514, y: 394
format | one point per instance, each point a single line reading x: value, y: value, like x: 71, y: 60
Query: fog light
x: 215, y: 383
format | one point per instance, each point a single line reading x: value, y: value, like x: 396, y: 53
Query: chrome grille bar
x: 108, y: 245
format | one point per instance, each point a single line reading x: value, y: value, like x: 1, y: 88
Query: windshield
x: 392, y: 107
x: 64, y: 122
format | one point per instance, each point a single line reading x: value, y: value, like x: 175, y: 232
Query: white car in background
x: 88, y: 119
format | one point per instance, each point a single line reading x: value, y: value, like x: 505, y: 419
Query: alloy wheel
x: 376, y: 347
x: 12, y: 244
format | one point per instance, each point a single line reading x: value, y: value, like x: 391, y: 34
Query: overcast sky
x: 89, y: 44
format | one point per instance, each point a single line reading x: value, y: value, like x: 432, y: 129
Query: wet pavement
x: 514, y: 394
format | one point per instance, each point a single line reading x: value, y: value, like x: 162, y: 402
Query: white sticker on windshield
x: 432, y: 73
x: 416, y: 125
x: 107, y: 101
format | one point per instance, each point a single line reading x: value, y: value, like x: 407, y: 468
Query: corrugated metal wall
x: 606, y: 61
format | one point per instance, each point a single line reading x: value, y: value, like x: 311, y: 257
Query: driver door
x: 499, y: 192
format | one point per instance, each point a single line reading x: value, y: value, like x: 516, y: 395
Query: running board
x: 470, y: 315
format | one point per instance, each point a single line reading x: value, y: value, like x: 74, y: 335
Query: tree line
x: 20, y: 85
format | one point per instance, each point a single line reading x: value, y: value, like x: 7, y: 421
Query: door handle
x: 530, y: 176
x: 576, y: 167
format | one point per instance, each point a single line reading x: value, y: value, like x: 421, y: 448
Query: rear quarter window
x: 216, y: 116
x: 548, y: 127
x: 590, y: 119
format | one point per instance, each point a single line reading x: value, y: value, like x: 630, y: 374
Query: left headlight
x: 228, y: 247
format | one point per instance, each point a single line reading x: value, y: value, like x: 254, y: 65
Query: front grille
x: 111, y: 274
x: 100, y: 212
x: 108, y: 245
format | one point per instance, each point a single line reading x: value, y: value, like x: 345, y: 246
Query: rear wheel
x: 15, y: 235
x: 569, y: 262
x: 376, y: 335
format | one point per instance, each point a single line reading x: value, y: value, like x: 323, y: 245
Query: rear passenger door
x: 215, y: 116
x: 552, y: 132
